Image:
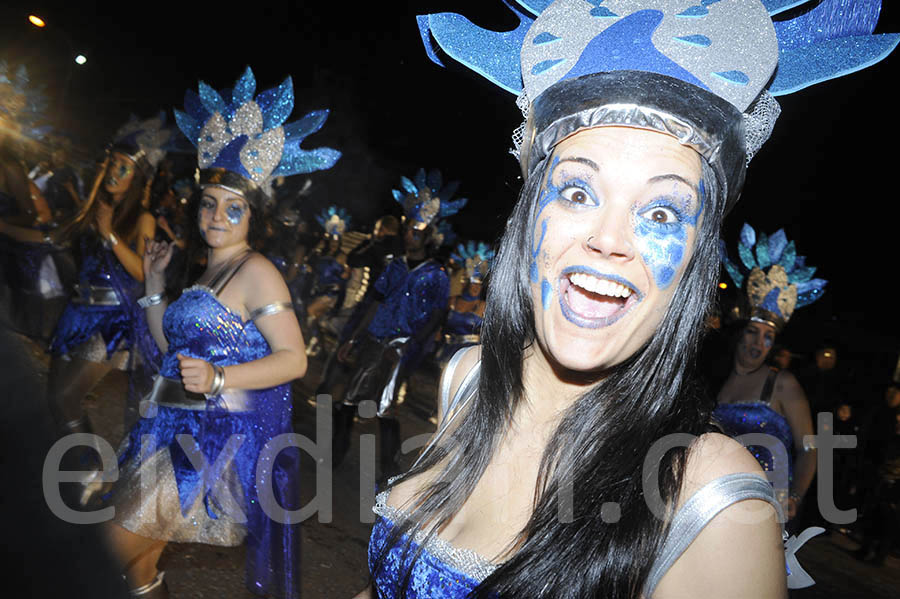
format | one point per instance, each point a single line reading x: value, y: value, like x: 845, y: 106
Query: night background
x: 827, y: 175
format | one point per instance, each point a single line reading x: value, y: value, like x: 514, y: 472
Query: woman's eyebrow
x: 581, y: 160
x: 673, y: 177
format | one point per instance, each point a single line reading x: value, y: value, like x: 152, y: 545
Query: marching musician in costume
x: 232, y: 346
x: 760, y: 399
x: 571, y: 459
x: 410, y: 305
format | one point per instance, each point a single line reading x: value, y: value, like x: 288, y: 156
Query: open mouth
x: 591, y: 299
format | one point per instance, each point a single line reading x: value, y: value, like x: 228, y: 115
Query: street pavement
x: 333, y: 563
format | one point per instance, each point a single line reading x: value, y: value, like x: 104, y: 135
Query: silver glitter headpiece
x: 426, y: 199
x: 775, y: 280
x: 147, y: 139
x: 334, y: 220
x: 700, y: 70
x: 23, y: 103
x: 234, y: 131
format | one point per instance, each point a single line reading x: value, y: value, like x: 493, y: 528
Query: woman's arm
x: 795, y: 407
x: 259, y: 284
x: 156, y: 257
x: 131, y: 260
x: 366, y: 593
x: 739, y: 554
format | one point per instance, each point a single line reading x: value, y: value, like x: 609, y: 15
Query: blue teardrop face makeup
x: 661, y: 231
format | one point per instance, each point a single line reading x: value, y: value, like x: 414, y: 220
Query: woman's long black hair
x: 597, y: 453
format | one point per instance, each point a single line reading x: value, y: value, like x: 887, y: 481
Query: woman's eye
x: 576, y: 195
x: 660, y: 215
x: 207, y: 205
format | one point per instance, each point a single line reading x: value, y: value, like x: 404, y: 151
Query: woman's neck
x: 551, y: 389
x: 218, y: 256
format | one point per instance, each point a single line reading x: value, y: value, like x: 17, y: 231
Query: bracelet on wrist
x: 797, y: 498
x: 150, y: 300
x: 218, y: 381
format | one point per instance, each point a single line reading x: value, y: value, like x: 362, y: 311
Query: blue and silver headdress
x: 699, y: 70
x: 22, y: 103
x: 426, y: 199
x: 334, y: 220
x: 148, y: 140
x: 775, y: 280
x: 246, y: 136
x: 475, y: 256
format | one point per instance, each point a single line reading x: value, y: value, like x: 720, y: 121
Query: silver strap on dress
x: 273, y: 308
x: 450, y: 409
x: 699, y: 510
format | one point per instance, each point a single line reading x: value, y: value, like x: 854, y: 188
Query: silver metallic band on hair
x: 234, y: 190
x: 708, y: 124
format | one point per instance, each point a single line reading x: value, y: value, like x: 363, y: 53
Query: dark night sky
x: 825, y: 175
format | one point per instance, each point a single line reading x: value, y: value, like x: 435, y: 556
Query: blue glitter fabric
x: 430, y: 577
x: 757, y: 417
x: 410, y: 298
x: 463, y: 323
x: 198, y: 325
x: 328, y: 278
x: 100, y: 268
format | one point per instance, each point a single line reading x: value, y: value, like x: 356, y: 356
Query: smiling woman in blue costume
x: 759, y: 399
x: 548, y: 475
x: 232, y: 346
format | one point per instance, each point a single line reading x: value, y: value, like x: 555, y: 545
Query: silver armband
x: 150, y: 300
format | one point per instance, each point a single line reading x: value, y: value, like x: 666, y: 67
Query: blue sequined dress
x: 756, y: 415
x: 99, y: 321
x: 215, y: 479
x: 461, y: 329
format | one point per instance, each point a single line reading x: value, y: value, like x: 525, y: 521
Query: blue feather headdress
x: 426, y: 199
x: 775, y: 280
x: 699, y: 70
x: 475, y: 256
x: 335, y: 221
x: 246, y: 135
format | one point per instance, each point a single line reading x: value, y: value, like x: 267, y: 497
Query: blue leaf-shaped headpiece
x: 475, y: 256
x: 773, y: 277
x: 334, y: 220
x: 234, y: 131
x: 426, y: 198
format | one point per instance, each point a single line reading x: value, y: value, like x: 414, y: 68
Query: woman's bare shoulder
x: 470, y: 357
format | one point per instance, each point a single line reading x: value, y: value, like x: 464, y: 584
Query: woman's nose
x: 611, y: 235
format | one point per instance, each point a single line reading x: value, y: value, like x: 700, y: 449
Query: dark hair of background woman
x: 601, y: 442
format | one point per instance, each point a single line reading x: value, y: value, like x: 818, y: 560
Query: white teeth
x: 598, y: 285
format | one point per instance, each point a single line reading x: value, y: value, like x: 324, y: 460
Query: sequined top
x: 328, y: 277
x: 463, y: 323
x: 758, y: 416
x: 447, y: 572
x: 198, y: 325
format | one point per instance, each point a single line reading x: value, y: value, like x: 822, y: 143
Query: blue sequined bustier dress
x: 756, y: 415
x: 205, y: 452
x: 101, y: 309
x: 460, y: 329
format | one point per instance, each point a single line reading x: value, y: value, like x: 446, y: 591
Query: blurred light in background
x: 36, y: 21
x: 80, y: 59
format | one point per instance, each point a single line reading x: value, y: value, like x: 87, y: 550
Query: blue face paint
x: 546, y: 294
x: 235, y: 212
x: 662, y: 244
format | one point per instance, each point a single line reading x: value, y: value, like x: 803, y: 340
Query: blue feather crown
x: 247, y: 135
x: 475, y: 256
x: 335, y: 221
x: 426, y: 199
x: 774, y: 279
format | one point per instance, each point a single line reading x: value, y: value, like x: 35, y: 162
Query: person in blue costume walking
x: 463, y: 324
x: 211, y: 434
x: 572, y: 458
x: 329, y: 272
x: 410, y: 304
x: 98, y: 330
x: 756, y: 398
